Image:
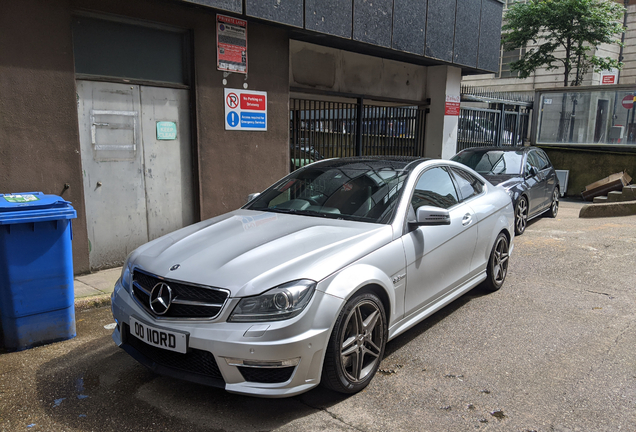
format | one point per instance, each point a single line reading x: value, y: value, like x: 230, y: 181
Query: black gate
x: 323, y: 129
x: 501, y: 119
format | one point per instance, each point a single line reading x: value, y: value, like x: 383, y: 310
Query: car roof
x: 402, y: 163
x: 504, y: 149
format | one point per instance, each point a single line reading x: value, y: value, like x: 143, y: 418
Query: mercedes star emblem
x: 160, y: 298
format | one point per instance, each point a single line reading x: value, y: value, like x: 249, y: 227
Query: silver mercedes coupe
x: 308, y: 282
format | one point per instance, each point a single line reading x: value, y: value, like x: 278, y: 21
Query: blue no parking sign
x: 245, y: 110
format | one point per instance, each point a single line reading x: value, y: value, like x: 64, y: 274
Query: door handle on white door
x: 467, y: 219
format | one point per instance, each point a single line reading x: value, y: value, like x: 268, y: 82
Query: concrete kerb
x: 92, y: 302
x: 94, y: 289
x: 612, y: 209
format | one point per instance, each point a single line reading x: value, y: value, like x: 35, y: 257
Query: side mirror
x: 431, y: 216
x: 532, y: 172
x: 251, y: 196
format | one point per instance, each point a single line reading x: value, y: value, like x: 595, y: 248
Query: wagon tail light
x: 279, y: 303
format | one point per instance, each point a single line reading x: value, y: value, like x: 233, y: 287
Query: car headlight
x: 280, y: 303
x: 126, y: 274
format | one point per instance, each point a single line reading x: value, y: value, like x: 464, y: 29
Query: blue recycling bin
x: 36, y: 270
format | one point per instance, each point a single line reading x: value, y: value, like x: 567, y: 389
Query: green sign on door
x: 166, y: 130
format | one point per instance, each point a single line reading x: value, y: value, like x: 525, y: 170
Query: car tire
x: 497, y: 264
x: 554, y: 205
x: 521, y: 215
x: 356, y: 345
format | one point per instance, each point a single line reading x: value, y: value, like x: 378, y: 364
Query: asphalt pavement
x: 553, y: 350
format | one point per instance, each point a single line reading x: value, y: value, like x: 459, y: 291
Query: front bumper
x: 303, y: 338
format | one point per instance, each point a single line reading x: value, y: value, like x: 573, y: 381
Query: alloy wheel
x: 500, y: 261
x: 362, y: 341
x: 554, y: 209
x: 521, y: 216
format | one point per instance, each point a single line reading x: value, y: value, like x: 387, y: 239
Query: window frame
x: 445, y: 168
x: 453, y: 171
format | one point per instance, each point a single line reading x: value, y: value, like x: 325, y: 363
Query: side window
x: 530, y: 162
x: 434, y: 188
x: 543, y: 158
x: 534, y: 160
x: 467, y: 184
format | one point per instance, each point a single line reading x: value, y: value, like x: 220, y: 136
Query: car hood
x: 504, y: 180
x: 249, y: 251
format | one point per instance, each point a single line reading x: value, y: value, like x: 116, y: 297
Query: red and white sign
x: 609, y: 77
x: 231, y: 44
x: 245, y: 110
x: 232, y: 100
x: 251, y: 101
x: 452, y: 105
x: 628, y: 102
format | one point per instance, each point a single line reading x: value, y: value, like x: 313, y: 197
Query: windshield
x: 353, y: 192
x: 492, y: 162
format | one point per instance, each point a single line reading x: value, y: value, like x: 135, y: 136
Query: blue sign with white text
x: 253, y: 120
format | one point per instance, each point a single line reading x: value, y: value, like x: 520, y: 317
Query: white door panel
x: 114, y: 188
x: 136, y: 187
x: 168, y: 163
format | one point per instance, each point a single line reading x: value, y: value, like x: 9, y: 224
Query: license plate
x: 158, y: 337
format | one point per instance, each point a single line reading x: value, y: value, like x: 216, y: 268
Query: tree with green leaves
x: 562, y: 33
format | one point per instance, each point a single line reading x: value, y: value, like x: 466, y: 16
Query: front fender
x: 379, y: 268
x: 350, y: 280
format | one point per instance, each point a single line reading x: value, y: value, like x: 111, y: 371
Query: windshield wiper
x: 316, y: 214
x: 296, y: 211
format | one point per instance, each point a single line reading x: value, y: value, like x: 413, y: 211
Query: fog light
x: 262, y: 363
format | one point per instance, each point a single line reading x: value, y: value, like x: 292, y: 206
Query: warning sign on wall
x: 452, y: 105
x: 245, y: 110
x: 231, y: 44
x: 609, y: 77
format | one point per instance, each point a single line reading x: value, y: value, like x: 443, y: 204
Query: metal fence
x: 484, y: 127
x: 323, y: 129
x: 500, y: 118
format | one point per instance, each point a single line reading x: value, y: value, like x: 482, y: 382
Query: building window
x: 507, y: 57
x: 508, y: 3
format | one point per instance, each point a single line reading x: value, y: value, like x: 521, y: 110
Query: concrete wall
x: 628, y: 73
x: 441, y: 129
x: 39, y: 143
x: 589, y: 165
x: 234, y: 164
x: 317, y: 67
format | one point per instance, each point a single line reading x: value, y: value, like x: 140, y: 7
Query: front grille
x: 194, y: 361
x: 267, y: 375
x: 188, y: 301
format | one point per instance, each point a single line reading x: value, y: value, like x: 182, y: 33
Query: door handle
x: 467, y: 219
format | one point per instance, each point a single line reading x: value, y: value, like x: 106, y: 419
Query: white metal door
x: 137, y: 184
x: 167, y: 160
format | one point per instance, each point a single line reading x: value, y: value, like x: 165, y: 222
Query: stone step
x: 615, y: 196
x: 600, y: 199
x: 629, y: 193
x: 626, y: 208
